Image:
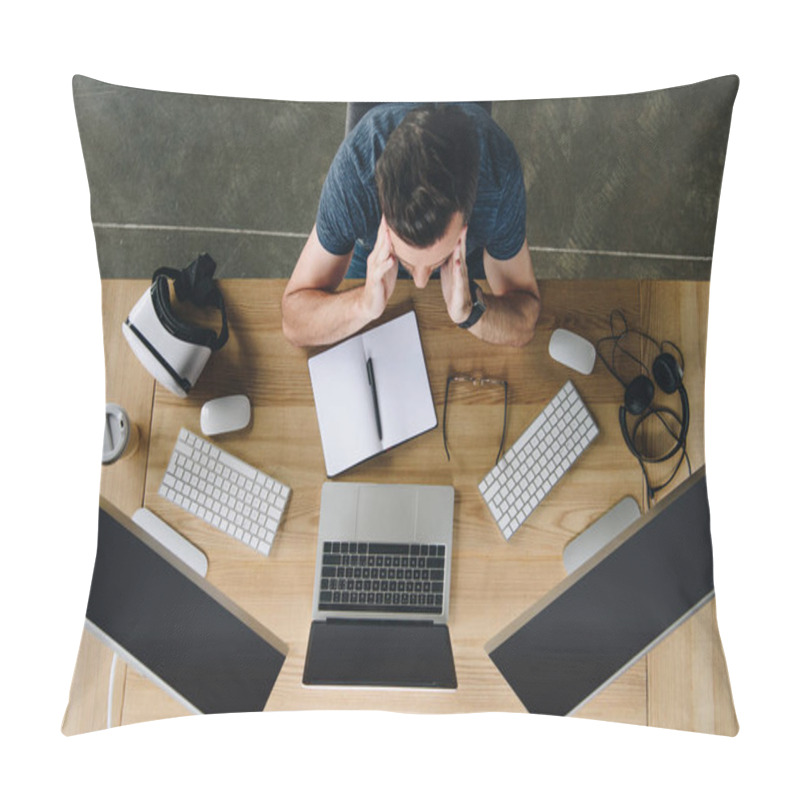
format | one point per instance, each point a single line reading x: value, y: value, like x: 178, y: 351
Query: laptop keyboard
x: 380, y: 577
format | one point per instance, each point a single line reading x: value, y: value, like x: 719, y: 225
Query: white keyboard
x: 224, y: 491
x: 538, y: 460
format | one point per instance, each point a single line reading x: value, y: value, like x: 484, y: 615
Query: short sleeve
x: 346, y: 204
x: 509, y: 231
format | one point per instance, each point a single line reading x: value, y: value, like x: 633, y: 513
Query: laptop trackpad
x: 360, y: 653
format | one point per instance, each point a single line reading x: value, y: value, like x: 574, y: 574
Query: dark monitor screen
x: 569, y: 646
x: 177, y: 625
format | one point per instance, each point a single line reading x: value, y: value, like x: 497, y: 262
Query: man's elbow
x: 523, y: 337
x: 291, y: 320
x: 527, y: 327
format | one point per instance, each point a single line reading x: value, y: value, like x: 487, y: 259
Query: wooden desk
x: 682, y: 683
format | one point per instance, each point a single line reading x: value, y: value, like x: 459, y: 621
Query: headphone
x: 667, y: 375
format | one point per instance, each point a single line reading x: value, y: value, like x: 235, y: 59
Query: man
x: 416, y: 191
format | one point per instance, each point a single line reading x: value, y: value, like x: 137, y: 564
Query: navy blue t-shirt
x: 349, y: 212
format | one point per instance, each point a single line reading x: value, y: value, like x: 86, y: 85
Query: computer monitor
x: 613, y: 609
x: 174, y: 626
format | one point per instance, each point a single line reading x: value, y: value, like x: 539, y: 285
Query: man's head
x: 422, y: 262
x: 427, y: 178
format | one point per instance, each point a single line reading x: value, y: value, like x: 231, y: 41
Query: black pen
x: 371, y: 379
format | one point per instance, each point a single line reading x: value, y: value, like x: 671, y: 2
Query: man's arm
x: 314, y: 313
x: 513, y: 307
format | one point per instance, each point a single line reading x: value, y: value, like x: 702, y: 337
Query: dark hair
x: 428, y: 172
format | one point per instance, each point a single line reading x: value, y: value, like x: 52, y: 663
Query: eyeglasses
x: 476, y: 381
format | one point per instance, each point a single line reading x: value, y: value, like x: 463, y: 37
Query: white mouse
x: 225, y: 414
x: 572, y: 351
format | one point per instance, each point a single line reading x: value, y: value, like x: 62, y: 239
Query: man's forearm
x: 509, y: 318
x: 319, y: 317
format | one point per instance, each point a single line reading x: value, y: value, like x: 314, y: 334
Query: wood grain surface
x: 682, y: 683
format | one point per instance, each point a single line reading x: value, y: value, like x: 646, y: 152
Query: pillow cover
x: 621, y: 197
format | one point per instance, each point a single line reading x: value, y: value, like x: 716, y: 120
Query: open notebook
x: 355, y: 422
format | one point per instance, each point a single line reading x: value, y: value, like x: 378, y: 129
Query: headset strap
x: 196, y: 284
x: 179, y: 379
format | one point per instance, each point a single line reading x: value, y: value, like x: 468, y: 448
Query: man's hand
x: 455, y: 282
x: 381, y: 274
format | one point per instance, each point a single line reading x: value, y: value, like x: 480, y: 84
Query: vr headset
x: 173, y: 351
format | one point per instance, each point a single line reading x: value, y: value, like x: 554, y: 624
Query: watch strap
x: 478, y: 306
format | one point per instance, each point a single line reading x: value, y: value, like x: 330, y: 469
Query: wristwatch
x: 478, y: 305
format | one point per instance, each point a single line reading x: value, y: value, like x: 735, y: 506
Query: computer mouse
x: 572, y: 351
x: 225, y: 414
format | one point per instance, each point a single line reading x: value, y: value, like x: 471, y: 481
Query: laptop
x: 381, y: 587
